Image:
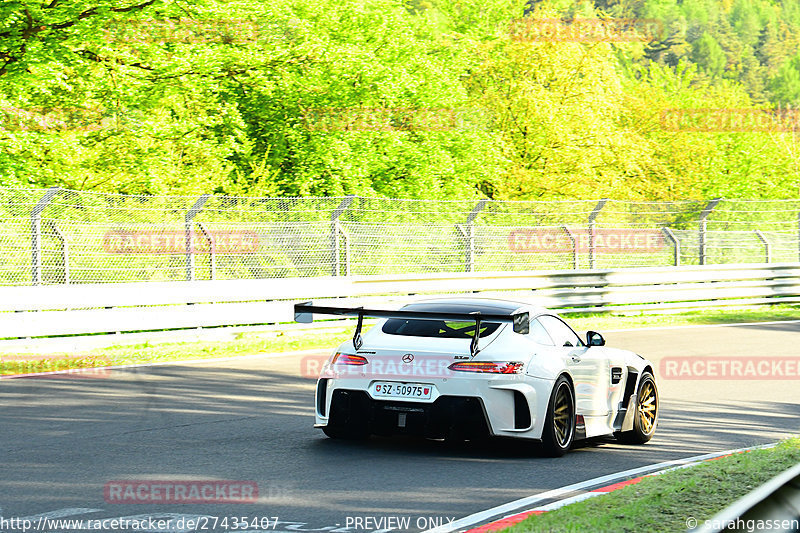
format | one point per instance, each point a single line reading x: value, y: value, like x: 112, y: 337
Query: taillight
x: 488, y: 367
x: 347, y: 359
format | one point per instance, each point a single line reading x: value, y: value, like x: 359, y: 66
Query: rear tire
x: 559, y: 424
x: 645, y: 419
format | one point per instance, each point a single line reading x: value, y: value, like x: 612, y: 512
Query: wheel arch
x: 567, y: 375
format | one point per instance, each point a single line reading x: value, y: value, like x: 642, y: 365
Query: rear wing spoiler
x: 304, y: 313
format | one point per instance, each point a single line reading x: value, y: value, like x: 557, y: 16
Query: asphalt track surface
x: 62, y: 439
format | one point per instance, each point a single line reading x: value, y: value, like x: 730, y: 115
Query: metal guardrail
x: 35, y: 311
x: 774, y: 506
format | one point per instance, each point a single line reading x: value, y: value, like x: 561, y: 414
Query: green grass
x: 609, y: 321
x: 665, y: 502
x: 244, y: 344
x: 252, y: 343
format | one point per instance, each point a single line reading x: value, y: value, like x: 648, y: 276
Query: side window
x: 538, y: 334
x: 561, y: 333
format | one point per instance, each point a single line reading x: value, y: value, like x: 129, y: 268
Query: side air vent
x: 322, y: 392
x: 630, y: 386
x: 522, y: 413
x: 616, y: 375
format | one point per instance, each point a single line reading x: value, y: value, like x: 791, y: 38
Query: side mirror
x: 594, y: 339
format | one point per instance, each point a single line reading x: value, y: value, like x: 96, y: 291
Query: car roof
x: 460, y: 304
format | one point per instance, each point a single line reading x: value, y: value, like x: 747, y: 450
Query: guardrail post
x: 703, y: 227
x: 36, y: 234
x: 212, y: 258
x: 574, y: 247
x: 335, y: 230
x: 676, y: 243
x: 469, y: 260
x: 765, y: 242
x: 190, y: 214
x: 592, y: 235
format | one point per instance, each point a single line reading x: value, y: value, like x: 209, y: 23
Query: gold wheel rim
x: 648, y: 407
x: 562, y: 415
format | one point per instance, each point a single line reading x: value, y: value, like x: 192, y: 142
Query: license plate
x: 391, y: 389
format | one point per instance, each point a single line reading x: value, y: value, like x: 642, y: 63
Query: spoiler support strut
x: 473, y: 346
x: 357, y: 340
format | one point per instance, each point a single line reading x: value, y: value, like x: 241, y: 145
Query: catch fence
x: 59, y: 236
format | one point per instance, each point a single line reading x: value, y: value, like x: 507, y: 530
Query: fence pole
x: 190, y: 214
x: 703, y: 227
x: 212, y: 264
x: 344, y: 205
x: 346, y: 238
x: 36, y: 234
x: 592, y: 217
x: 469, y: 259
x: 574, y: 247
x: 676, y: 243
x: 51, y: 225
x: 765, y: 242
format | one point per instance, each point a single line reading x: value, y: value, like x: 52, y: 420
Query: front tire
x: 646, y: 416
x: 559, y: 424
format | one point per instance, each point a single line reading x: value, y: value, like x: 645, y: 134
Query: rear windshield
x: 443, y: 329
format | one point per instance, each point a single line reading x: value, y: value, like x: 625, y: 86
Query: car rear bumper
x: 465, y: 407
x: 447, y: 416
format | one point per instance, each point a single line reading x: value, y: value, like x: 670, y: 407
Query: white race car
x: 466, y: 368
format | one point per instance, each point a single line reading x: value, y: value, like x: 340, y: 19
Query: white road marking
x: 520, y: 505
x: 61, y: 513
x: 562, y: 503
x: 291, y: 526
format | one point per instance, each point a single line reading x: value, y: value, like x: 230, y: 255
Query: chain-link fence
x: 59, y: 236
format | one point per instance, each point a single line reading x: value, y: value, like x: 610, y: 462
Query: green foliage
x: 785, y: 85
x: 413, y: 98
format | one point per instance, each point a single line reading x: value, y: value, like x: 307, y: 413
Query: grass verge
x: 669, y: 501
x: 243, y: 344
x: 608, y: 321
x: 252, y: 343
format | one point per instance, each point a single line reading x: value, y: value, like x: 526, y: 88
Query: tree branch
x: 33, y: 27
x: 134, y: 7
